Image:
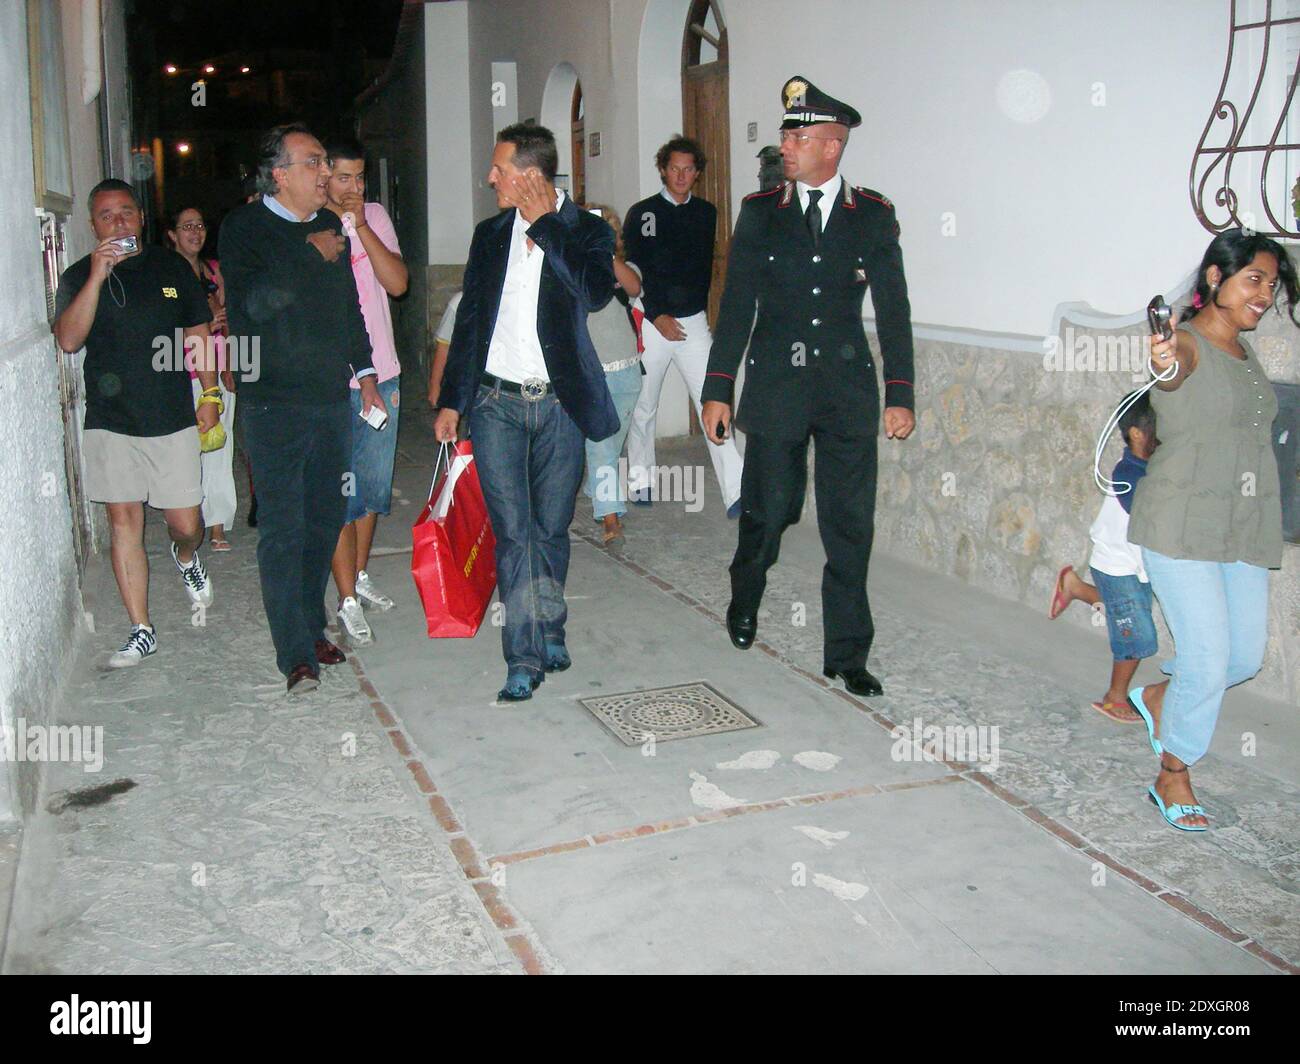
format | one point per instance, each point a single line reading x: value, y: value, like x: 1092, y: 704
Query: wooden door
x: 577, y: 180
x: 706, y: 118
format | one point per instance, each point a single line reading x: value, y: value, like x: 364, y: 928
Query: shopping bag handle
x: 443, y: 458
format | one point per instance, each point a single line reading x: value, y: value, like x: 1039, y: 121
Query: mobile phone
x: 1159, y: 317
x: 375, y: 418
x: 128, y: 244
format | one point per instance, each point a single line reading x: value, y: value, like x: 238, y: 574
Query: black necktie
x: 813, y: 217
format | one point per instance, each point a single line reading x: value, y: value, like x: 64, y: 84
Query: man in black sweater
x: 670, y: 239
x: 291, y: 297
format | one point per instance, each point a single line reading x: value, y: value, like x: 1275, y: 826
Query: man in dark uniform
x: 803, y: 255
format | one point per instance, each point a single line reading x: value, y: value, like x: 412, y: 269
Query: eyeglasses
x: 800, y: 138
x: 192, y: 227
x: 312, y: 162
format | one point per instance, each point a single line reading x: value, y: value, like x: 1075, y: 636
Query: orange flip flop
x: 1058, y: 595
x: 1106, y: 709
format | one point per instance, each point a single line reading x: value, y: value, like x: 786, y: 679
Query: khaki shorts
x: 160, y: 470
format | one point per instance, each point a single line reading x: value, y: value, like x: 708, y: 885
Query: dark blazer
x: 577, y: 278
x: 808, y: 353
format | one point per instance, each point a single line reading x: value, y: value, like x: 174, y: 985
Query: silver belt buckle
x: 533, y: 389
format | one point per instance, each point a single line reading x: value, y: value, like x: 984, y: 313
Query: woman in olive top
x: 1208, y: 514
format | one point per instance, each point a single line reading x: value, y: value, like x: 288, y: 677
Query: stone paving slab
x: 900, y: 883
x: 542, y: 772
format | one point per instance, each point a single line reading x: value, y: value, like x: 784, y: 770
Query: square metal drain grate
x: 679, y: 712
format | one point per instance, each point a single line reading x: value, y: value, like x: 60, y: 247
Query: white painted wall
x: 1086, y: 203
x: 39, y: 600
x: 451, y: 165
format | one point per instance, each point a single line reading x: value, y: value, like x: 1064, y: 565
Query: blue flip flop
x: 1172, y: 813
x: 1135, y: 700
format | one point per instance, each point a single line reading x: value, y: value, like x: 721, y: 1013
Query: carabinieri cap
x: 806, y: 105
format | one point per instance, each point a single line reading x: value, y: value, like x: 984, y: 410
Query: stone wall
x: 996, y: 487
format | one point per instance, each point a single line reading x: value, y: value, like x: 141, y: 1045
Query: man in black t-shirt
x: 138, y: 310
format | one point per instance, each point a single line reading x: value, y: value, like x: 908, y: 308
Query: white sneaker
x: 370, y: 595
x: 139, y: 645
x: 354, y: 622
x: 198, y: 585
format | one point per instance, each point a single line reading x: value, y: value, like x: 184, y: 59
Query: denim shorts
x: 373, y: 454
x: 1128, y: 616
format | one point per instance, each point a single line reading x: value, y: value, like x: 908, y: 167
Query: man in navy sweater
x: 289, y: 288
x: 670, y: 238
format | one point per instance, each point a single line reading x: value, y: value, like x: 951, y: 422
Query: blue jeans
x: 373, y: 454
x: 299, y: 454
x: 529, y: 457
x: 605, y: 488
x: 1218, y: 616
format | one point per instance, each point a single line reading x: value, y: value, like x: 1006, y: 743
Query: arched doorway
x: 706, y: 117
x: 561, y: 110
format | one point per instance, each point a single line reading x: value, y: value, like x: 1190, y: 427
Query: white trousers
x: 691, y: 356
x: 217, y: 468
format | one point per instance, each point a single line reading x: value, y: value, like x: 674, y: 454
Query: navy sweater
x: 303, y: 311
x: 672, y: 245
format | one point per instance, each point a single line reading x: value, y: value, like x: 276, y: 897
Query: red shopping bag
x: 453, y: 555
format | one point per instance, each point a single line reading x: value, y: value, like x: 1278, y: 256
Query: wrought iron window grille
x: 1216, y: 199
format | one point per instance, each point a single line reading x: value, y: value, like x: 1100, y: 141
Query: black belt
x: 535, y: 388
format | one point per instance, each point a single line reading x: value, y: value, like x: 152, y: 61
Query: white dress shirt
x: 830, y: 195
x: 515, y: 352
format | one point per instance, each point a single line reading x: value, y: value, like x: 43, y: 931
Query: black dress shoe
x: 742, y: 627
x: 328, y: 654
x: 857, y: 681
x: 303, y: 678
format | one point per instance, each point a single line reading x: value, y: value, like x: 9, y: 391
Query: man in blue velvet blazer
x: 523, y: 369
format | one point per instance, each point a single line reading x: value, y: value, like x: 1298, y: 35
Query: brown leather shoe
x: 328, y: 654
x: 303, y: 678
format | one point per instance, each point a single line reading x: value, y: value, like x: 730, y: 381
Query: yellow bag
x: 212, y: 440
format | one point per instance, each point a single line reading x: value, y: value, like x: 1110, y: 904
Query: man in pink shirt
x: 380, y: 272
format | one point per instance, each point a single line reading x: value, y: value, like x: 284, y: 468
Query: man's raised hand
x: 328, y: 243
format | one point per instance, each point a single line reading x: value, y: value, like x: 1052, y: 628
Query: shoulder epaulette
x: 871, y: 193
x: 757, y: 195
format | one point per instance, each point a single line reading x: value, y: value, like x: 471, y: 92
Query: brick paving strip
x: 522, y: 942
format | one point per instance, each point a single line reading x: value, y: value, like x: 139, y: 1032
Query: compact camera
x: 1159, y: 316
x: 128, y: 244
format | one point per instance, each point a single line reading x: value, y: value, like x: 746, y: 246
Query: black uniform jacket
x: 808, y: 356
